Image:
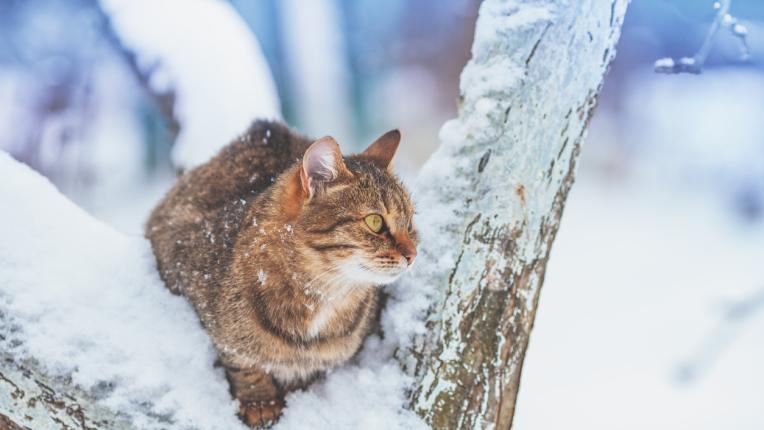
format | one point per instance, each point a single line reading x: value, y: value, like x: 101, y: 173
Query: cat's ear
x: 382, y: 151
x: 321, y: 164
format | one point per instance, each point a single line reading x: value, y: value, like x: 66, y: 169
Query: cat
x: 280, y: 242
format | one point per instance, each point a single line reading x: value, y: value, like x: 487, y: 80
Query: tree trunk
x: 499, y: 183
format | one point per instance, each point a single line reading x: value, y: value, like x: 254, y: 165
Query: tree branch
x: 695, y: 63
x: 31, y: 399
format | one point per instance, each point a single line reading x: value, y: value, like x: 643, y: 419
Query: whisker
x: 323, y: 274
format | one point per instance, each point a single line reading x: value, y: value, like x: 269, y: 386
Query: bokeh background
x: 653, y: 309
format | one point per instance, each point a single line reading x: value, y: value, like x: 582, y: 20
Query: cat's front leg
x: 261, y: 400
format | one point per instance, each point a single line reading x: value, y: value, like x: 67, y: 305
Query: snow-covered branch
x: 695, y: 64
x: 88, y: 332
x: 718, y: 340
x: 200, y: 57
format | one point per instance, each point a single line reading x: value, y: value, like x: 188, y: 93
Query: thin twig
x: 720, y: 337
x: 695, y: 63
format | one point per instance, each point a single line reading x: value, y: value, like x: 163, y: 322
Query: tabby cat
x: 279, y: 242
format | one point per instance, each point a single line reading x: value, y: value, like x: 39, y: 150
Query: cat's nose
x: 406, y: 247
x: 410, y: 256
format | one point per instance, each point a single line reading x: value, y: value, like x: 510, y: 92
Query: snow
x: 638, y: 290
x: 203, y: 51
x: 261, y: 277
x: 410, y: 298
x: 702, y: 134
x: 97, y: 141
x: 665, y: 62
x: 88, y: 302
x: 503, y: 18
x: 651, y: 313
x: 687, y: 61
x: 442, y: 183
x: 739, y: 30
x: 369, y: 394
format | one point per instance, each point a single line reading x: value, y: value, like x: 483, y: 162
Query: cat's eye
x: 374, y: 222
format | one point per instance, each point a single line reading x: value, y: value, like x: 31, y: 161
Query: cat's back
x: 194, y: 228
x: 243, y: 168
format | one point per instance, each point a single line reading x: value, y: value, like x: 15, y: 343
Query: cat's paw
x: 261, y: 414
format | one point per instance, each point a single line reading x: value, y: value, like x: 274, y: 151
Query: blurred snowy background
x: 653, y: 309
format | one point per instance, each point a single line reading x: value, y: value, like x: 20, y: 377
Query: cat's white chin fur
x: 354, y: 270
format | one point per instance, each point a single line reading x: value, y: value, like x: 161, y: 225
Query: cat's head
x: 355, y: 217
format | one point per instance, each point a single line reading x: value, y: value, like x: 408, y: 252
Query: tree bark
x: 32, y: 399
x: 499, y: 183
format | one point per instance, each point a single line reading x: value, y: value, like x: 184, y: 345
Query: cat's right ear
x: 321, y: 164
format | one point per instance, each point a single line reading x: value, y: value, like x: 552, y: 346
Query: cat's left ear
x: 382, y: 151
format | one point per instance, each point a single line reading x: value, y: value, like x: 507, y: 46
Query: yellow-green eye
x: 374, y: 222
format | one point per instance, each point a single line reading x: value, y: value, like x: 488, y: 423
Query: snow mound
x: 204, y: 52
x: 87, y: 300
x: 369, y: 395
